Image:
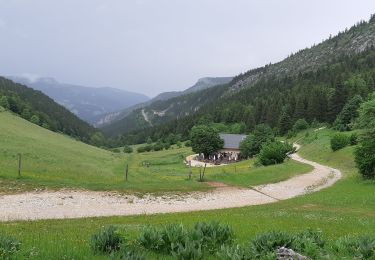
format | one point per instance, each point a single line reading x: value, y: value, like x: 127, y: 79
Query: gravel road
x: 77, y: 204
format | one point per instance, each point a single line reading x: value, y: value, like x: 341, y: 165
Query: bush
x: 128, y: 149
x: 186, y: 244
x: 356, y: 247
x: 213, y: 235
x: 253, y: 143
x: 158, y: 147
x: 364, y: 156
x: 145, y: 148
x: 308, y: 242
x: 300, y: 125
x: 188, y: 143
x: 150, y: 238
x: 274, y: 153
x: 106, y: 240
x: 188, y: 250
x: 167, y: 146
x: 8, y: 246
x: 339, y: 141
x: 116, y: 150
x: 35, y: 119
x: 353, y: 139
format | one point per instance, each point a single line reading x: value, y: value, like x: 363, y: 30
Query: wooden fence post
x: 19, y: 164
x: 204, y: 170
x: 126, y: 172
x: 190, y: 170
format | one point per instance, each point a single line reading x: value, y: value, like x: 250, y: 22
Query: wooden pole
x: 190, y: 170
x: 126, y: 172
x: 204, y: 169
x: 19, y: 164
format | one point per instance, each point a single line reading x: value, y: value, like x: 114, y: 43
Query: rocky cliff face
x: 352, y: 41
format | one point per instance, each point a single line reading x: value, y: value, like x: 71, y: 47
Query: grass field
x: 51, y: 160
x: 347, y: 208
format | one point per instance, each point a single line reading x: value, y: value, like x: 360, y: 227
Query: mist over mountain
x: 201, y: 84
x: 86, y: 102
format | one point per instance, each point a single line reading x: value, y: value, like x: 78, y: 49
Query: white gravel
x: 77, y: 204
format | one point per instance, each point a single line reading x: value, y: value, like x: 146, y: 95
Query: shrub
x: 2, y: 109
x: 213, y: 234
x: 188, y: 250
x: 186, y: 244
x: 150, y: 238
x: 356, y: 247
x: 128, y: 149
x: 264, y: 245
x: 145, y: 148
x: 188, y: 143
x: 365, y: 156
x: 167, y: 146
x: 4, y: 102
x: 339, y: 141
x: 353, y: 139
x: 274, y: 153
x: 116, y: 150
x: 35, y: 119
x: 310, y: 243
x: 300, y: 125
x: 179, y: 145
x: 158, y: 147
x: 8, y: 246
x: 253, y: 143
x: 107, y: 240
x: 173, y: 236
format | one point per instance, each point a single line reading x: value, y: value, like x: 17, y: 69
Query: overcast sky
x: 151, y: 46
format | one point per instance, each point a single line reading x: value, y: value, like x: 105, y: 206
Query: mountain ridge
x: 86, y: 102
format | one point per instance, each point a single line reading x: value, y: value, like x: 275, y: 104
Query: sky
x: 152, y: 46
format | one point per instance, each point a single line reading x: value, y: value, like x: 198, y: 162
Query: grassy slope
x: 55, y: 161
x: 346, y: 208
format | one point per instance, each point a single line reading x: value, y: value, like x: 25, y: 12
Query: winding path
x: 77, y: 204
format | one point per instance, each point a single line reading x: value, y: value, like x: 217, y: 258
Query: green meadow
x: 347, y: 208
x: 54, y: 161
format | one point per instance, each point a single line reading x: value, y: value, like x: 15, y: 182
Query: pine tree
x: 285, y: 122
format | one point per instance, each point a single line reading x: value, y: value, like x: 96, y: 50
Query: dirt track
x: 77, y: 204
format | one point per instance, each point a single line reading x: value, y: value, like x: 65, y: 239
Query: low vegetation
x: 274, y: 153
x: 54, y: 161
x: 335, y: 211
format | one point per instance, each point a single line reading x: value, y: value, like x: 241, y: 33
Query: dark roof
x: 232, y: 141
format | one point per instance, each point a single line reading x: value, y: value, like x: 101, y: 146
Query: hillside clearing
x: 73, y: 204
x: 53, y: 161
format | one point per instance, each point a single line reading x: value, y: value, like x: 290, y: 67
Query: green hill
x: 315, y: 83
x: 38, y: 108
x: 52, y: 160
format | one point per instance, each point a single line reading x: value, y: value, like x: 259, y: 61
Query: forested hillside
x: 88, y: 103
x: 314, y: 84
x: 166, y: 106
x: 38, y: 108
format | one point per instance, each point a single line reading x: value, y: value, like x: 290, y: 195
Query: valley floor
x: 74, y: 204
